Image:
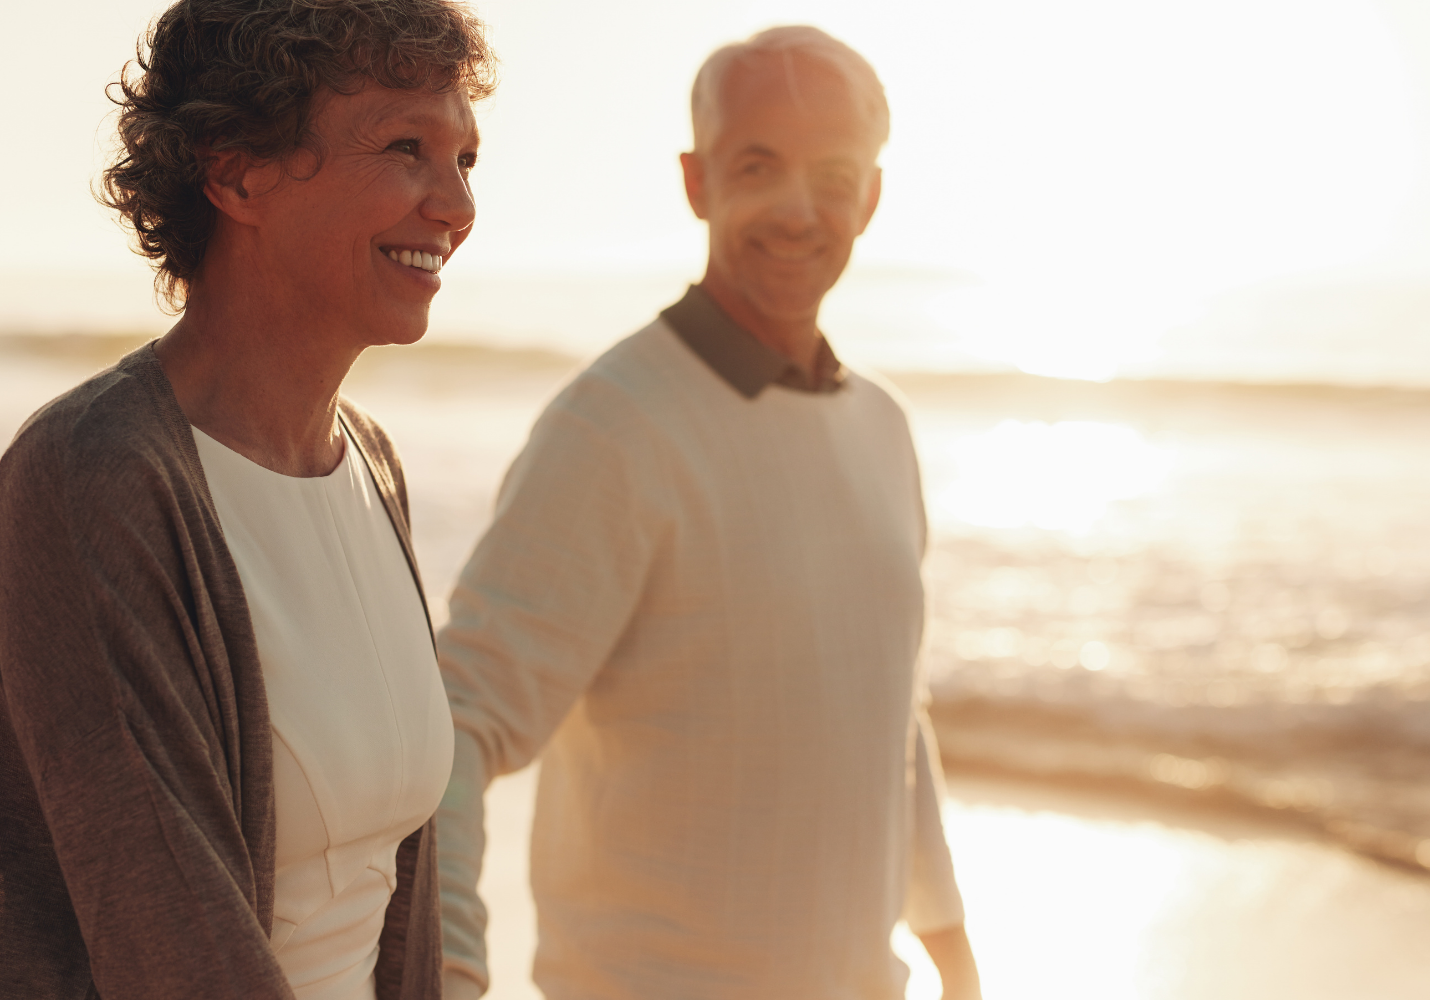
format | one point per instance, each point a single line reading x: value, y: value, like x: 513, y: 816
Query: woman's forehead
x: 379, y: 108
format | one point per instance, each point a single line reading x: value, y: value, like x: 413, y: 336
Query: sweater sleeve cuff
x: 461, y: 842
x: 472, y: 970
x: 933, y: 904
x: 931, y: 898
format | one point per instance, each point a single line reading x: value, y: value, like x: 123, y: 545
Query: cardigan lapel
x: 387, y: 489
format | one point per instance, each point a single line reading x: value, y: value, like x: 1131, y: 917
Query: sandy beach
x: 1082, y: 896
x: 1071, y: 892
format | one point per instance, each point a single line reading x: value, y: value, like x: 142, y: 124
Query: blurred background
x: 1154, y: 278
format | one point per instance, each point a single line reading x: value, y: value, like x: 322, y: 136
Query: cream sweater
x: 707, y: 610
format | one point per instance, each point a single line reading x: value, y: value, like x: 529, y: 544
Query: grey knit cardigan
x: 136, y: 769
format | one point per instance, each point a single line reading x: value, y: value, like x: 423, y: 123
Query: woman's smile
x: 421, y: 259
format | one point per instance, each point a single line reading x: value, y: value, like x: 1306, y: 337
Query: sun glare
x: 1106, y: 167
x: 1058, y: 477
x: 1060, y: 332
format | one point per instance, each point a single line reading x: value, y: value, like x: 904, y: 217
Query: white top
x: 362, y: 737
x: 712, y: 608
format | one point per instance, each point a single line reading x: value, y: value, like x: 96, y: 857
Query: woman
x: 223, y: 734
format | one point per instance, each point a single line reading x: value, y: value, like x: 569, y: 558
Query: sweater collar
x: 738, y: 356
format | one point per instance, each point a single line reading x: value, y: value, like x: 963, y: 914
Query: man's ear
x: 229, y: 184
x: 694, y: 169
x: 871, y: 200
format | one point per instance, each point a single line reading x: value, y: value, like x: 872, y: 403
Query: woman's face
x: 393, y: 184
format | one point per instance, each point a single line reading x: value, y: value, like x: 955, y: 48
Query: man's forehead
x: 763, y: 94
x: 764, y: 78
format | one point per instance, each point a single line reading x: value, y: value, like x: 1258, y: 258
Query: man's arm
x: 461, y: 843
x: 460, y: 986
x: 535, y: 613
x: 934, y: 907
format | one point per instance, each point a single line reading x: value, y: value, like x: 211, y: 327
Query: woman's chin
x: 402, y: 337
x: 406, y: 325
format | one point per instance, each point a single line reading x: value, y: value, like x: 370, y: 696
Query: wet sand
x: 1078, y: 895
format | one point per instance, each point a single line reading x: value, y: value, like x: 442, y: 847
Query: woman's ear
x: 231, y: 182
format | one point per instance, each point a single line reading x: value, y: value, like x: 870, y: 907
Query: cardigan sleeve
x: 535, y: 613
x: 123, y: 734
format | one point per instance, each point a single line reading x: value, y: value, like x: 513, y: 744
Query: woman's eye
x: 468, y: 161
x: 408, y: 146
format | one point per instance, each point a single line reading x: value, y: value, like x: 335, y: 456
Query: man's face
x: 786, y: 184
x: 393, y: 183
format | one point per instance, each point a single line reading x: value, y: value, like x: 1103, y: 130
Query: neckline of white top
x: 239, y: 456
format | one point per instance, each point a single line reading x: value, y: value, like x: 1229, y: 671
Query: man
x: 701, y: 595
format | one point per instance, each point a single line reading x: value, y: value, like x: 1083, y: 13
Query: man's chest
x: 789, y: 583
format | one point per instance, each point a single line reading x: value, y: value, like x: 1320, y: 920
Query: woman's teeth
x: 416, y: 258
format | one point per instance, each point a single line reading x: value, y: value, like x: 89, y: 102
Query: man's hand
x: 953, y: 958
x: 456, y: 986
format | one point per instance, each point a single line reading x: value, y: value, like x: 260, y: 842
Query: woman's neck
x: 246, y: 379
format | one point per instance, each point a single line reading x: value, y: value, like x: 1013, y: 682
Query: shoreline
x: 1127, y: 799
x: 1166, y: 775
x: 979, y: 388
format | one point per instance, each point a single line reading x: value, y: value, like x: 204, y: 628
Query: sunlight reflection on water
x: 1058, y: 477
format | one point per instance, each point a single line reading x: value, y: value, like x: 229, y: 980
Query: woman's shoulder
x: 121, y: 424
x: 381, y: 453
x: 374, y: 440
x: 371, y: 434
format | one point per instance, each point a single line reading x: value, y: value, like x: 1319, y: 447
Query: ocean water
x: 1208, y: 591
x: 1340, y: 328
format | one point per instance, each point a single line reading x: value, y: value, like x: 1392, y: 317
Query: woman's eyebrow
x: 395, y: 115
x: 416, y: 120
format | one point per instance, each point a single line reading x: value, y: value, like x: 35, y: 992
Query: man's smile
x: 789, y: 251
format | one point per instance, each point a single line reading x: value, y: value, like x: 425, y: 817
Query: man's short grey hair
x: 788, y: 41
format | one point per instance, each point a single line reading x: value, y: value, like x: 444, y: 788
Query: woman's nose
x: 450, y: 201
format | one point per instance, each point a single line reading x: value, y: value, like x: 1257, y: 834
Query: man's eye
x: 467, y: 161
x: 408, y: 146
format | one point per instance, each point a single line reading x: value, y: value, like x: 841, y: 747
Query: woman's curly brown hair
x: 242, y: 75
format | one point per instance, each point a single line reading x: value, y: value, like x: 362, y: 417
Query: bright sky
x: 1102, y: 167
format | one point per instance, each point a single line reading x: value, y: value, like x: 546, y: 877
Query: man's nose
x: 794, y: 204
